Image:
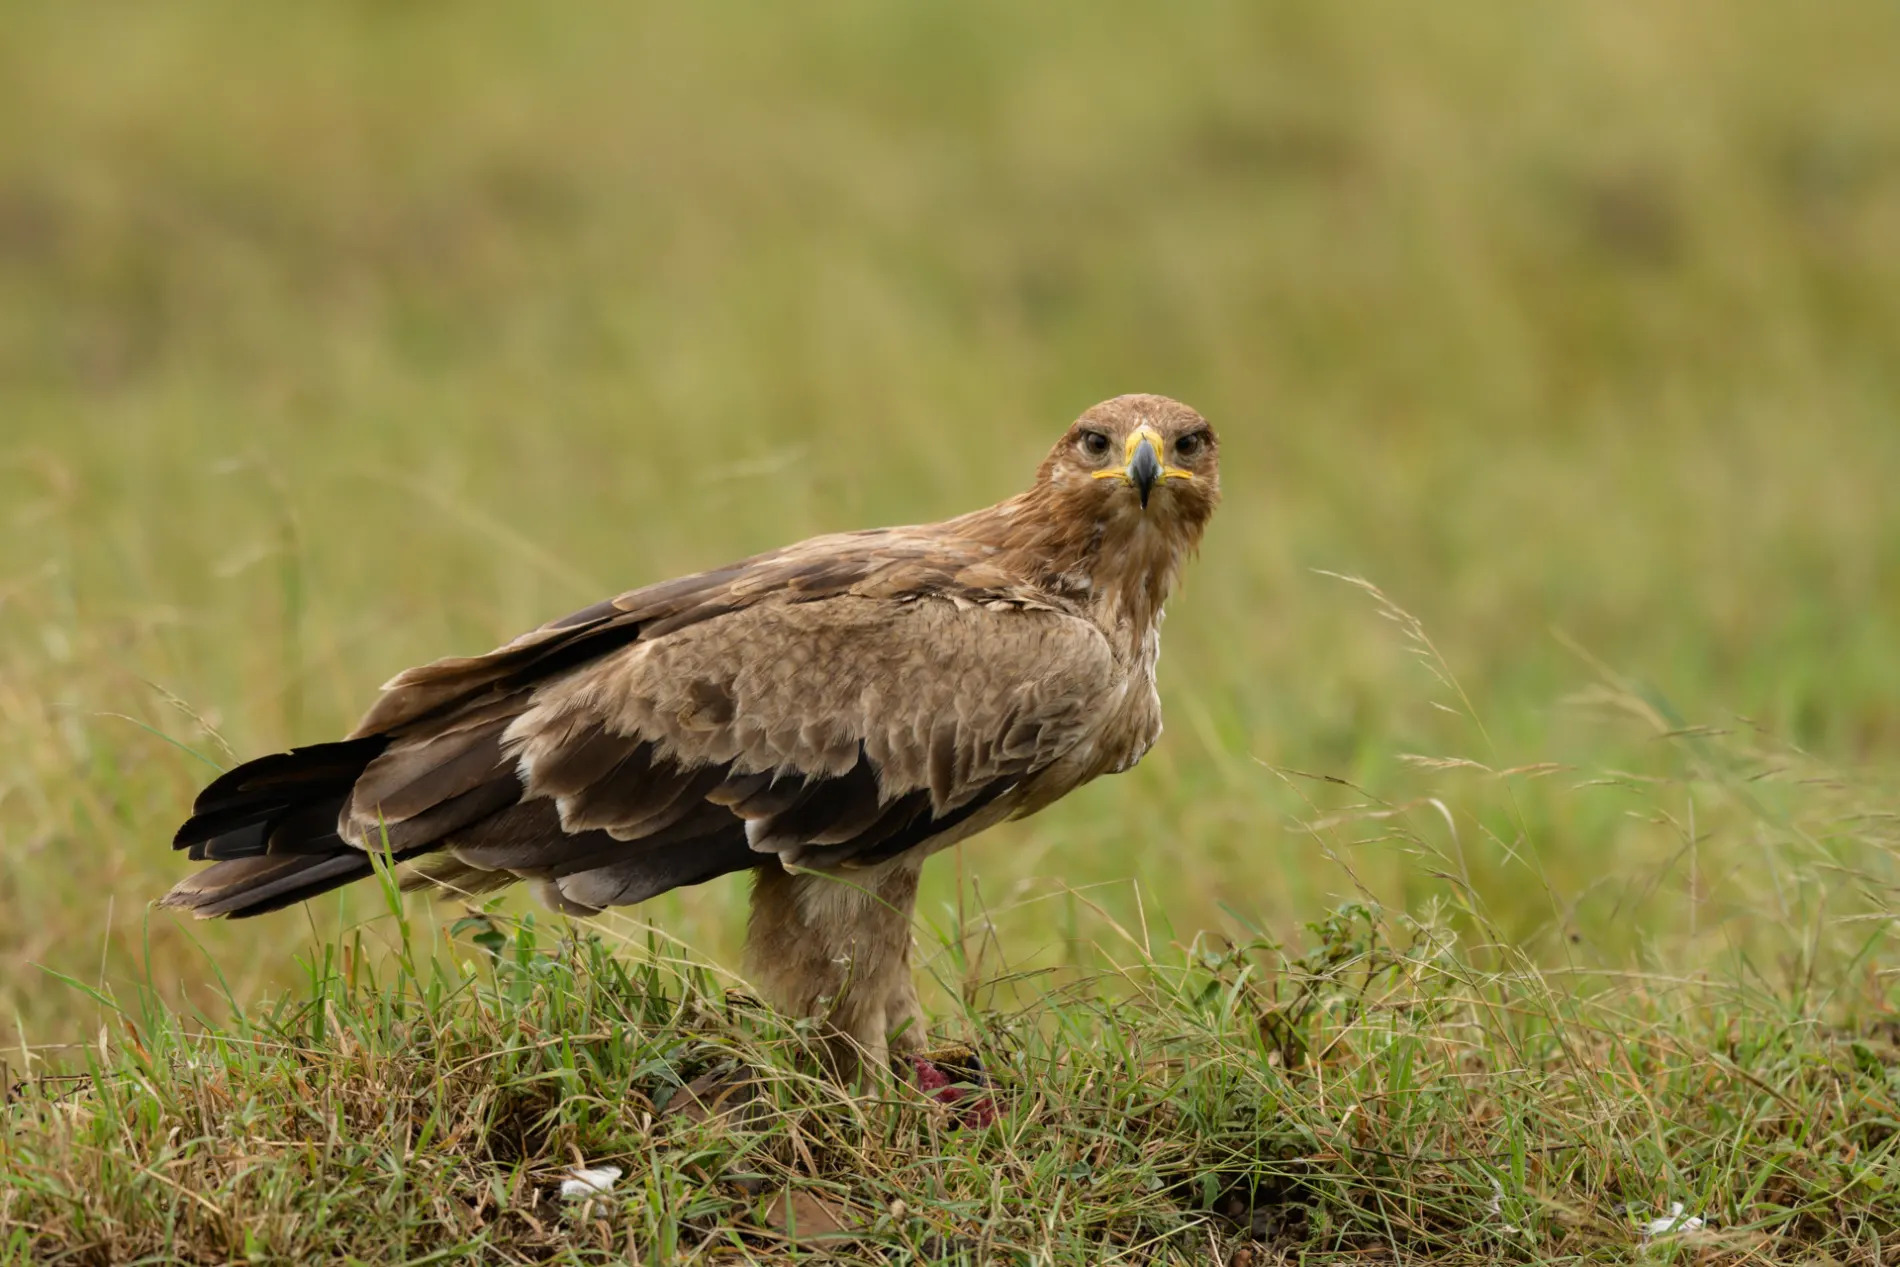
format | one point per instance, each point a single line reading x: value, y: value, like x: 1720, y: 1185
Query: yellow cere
x: 1135, y: 438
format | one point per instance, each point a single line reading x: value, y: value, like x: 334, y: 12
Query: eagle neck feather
x: 1119, y: 570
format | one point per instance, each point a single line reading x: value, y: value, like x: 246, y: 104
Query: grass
x: 1396, y: 1087
x: 338, y: 340
x: 1375, y: 1097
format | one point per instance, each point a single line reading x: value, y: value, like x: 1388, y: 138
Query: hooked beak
x: 1142, y: 466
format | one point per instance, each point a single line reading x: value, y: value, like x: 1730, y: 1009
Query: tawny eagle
x: 826, y: 716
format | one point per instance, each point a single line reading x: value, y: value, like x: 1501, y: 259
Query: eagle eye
x: 1094, y: 443
x: 1190, y: 444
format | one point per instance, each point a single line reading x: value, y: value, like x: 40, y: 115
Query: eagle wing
x: 835, y: 704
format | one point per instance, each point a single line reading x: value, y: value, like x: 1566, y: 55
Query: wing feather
x: 841, y: 725
x: 835, y: 703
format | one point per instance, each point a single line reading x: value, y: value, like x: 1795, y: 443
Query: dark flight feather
x: 256, y: 886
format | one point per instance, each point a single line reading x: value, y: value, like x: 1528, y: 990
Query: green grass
x: 1377, y: 1096
x: 338, y: 339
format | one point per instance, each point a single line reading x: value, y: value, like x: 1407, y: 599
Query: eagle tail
x: 241, y: 887
x: 269, y: 829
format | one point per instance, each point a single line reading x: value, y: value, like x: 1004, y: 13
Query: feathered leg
x: 836, y: 945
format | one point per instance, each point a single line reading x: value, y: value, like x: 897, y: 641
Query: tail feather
x: 238, y: 815
x: 239, y: 887
x: 269, y: 830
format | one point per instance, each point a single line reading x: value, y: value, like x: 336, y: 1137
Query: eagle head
x: 1136, y: 463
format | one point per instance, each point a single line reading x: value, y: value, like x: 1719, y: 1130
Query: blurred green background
x: 336, y: 338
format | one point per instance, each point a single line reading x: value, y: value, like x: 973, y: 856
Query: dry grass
x: 1376, y: 1098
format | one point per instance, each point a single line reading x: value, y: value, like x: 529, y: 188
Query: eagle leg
x: 835, y: 945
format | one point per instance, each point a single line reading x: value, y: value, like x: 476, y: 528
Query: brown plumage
x: 827, y: 715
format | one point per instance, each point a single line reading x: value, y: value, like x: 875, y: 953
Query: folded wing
x: 834, y: 708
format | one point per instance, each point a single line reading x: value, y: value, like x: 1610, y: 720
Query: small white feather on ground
x: 1676, y: 1222
x: 584, y: 1182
